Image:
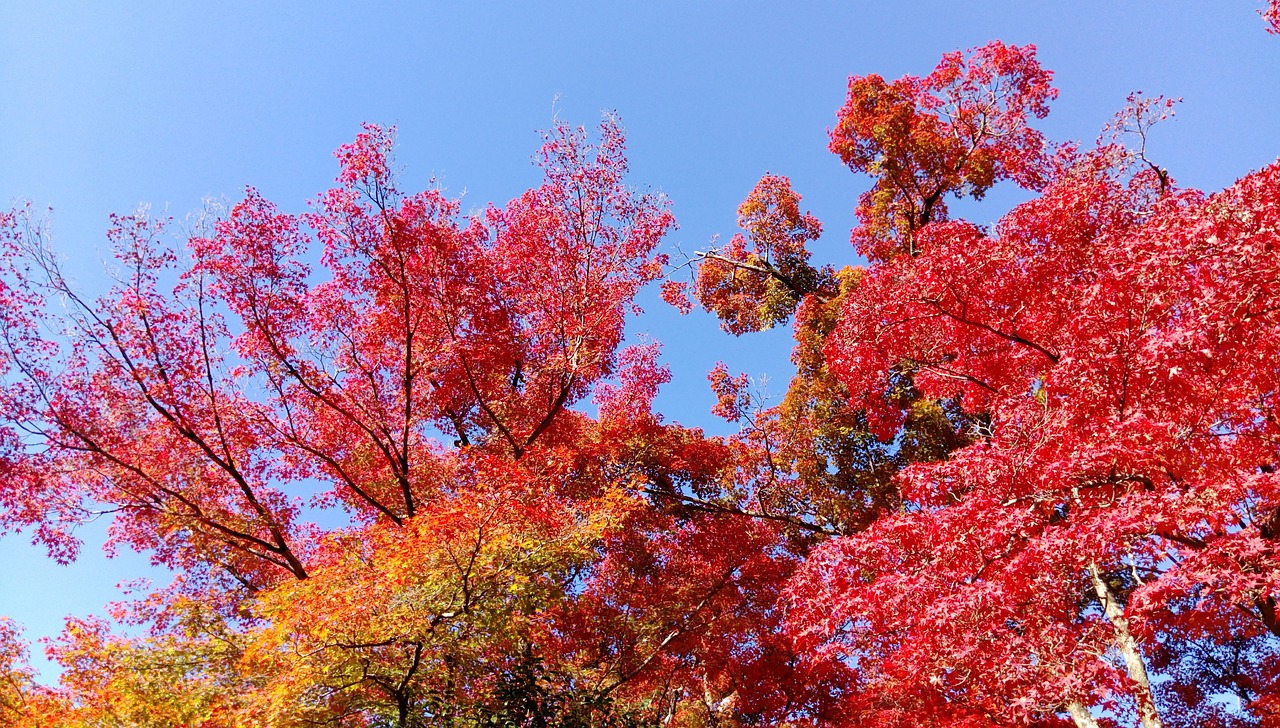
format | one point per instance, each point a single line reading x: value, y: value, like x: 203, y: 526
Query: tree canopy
x: 1025, y: 474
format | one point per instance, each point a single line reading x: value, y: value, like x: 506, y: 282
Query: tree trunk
x: 1128, y: 646
x: 1081, y: 715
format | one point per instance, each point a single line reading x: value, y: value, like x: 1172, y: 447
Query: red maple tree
x: 1115, y: 517
x: 501, y: 561
x: 1089, y: 534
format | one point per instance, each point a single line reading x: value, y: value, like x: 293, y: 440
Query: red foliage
x: 1023, y: 476
x: 1121, y: 344
x: 1271, y: 14
x: 958, y: 130
x: 757, y: 280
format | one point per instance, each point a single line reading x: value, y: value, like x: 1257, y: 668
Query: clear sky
x: 107, y: 105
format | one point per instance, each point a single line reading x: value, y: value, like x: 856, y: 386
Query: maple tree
x: 1088, y: 536
x: 1122, y: 492
x: 508, y: 560
x: 1024, y: 475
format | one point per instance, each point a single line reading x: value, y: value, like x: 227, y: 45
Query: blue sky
x: 108, y: 105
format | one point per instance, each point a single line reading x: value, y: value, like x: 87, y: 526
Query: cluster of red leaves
x: 1123, y: 346
x: 757, y: 280
x: 1079, y: 406
x: 958, y: 130
x: 506, y: 558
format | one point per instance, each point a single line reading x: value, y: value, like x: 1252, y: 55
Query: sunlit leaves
x: 1116, y: 340
x: 758, y: 279
x: 958, y: 131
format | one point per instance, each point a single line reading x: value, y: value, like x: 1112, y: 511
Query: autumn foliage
x: 1024, y: 475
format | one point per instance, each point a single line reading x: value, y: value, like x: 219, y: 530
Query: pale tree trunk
x: 1081, y: 715
x: 1128, y: 647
